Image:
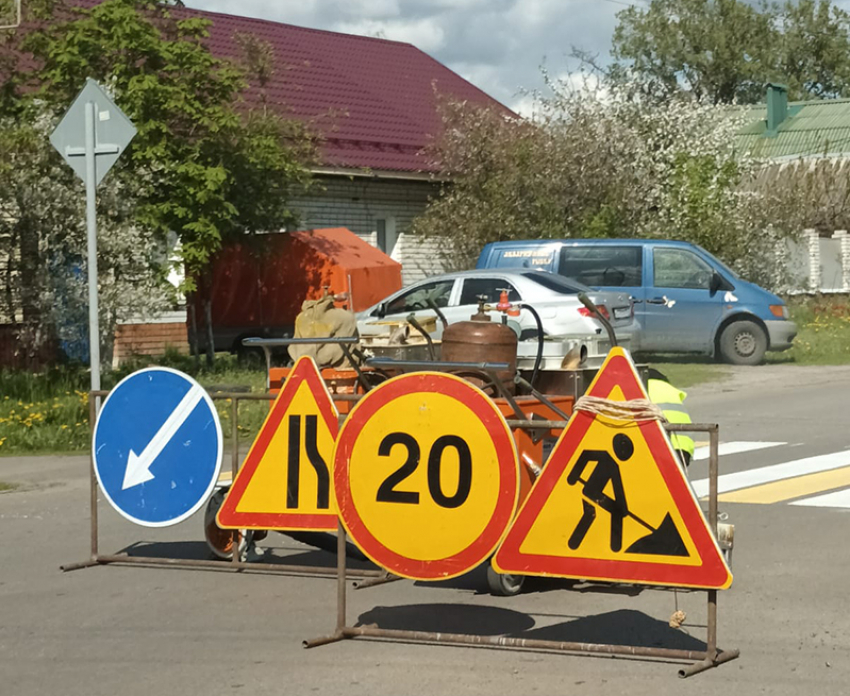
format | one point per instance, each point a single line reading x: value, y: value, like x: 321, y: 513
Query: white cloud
x: 425, y: 34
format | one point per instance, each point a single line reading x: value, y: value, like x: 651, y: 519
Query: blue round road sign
x: 157, y: 447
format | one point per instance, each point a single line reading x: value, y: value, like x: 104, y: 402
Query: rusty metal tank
x: 482, y: 340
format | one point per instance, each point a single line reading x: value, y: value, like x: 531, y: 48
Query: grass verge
x: 823, y: 338
x: 48, y: 413
x: 4, y: 487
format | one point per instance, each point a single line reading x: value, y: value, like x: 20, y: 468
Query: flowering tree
x: 597, y: 162
x: 43, y: 238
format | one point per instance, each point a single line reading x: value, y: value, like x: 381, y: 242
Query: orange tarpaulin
x: 262, y: 282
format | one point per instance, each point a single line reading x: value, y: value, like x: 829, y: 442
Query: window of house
x: 386, y: 235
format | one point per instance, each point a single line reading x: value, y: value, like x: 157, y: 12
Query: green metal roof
x: 810, y: 128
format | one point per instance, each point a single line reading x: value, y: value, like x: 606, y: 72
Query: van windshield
x: 718, y: 262
x: 556, y: 283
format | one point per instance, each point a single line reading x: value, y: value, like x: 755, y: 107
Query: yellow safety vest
x: 669, y: 399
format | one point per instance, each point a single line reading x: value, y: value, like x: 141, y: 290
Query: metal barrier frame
x: 712, y: 656
x: 96, y: 558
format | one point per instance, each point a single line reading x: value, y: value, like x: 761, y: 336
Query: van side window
x: 603, y: 265
x: 679, y: 268
x: 491, y: 287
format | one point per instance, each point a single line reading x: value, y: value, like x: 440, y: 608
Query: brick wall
x: 151, y: 338
x: 358, y: 203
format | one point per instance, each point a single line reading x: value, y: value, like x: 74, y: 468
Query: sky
x: 498, y: 45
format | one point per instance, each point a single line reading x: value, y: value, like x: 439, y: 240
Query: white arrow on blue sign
x: 157, y: 447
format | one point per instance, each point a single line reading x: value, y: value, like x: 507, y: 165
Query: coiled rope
x: 634, y: 410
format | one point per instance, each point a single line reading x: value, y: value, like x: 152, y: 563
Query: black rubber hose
x: 433, y: 305
x: 587, y: 302
x: 539, y: 358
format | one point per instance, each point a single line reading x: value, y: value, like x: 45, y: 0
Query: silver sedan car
x: 457, y: 295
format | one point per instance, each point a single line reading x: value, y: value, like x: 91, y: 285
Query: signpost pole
x: 91, y: 249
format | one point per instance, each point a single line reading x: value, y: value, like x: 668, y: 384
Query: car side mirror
x: 718, y: 282
x: 381, y: 310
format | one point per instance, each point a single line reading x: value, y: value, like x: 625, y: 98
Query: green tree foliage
x: 725, y: 51
x: 192, y: 142
x: 206, y: 164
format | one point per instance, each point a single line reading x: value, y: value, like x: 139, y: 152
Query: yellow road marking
x: 778, y: 491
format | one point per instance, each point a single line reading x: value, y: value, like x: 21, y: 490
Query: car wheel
x: 503, y: 585
x: 743, y: 343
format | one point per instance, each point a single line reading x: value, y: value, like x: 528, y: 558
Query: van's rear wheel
x: 743, y: 343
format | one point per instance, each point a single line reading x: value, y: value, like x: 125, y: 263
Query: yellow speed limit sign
x: 426, y: 476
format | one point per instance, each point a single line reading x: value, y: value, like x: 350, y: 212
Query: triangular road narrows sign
x: 613, y: 503
x: 286, y: 482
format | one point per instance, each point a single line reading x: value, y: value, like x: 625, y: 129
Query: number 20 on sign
x: 426, y: 476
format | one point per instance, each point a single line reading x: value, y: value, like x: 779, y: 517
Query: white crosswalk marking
x: 836, y: 499
x: 774, y: 472
x: 701, y: 453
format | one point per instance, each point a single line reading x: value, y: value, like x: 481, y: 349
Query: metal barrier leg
x: 713, y: 657
x: 234, y: 469
x: 337, y: 635
x: 385, y: 577
x: 93, y: 556
x: 93, y: 475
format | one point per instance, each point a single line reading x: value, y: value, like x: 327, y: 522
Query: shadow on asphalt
x: 198, y: 550
x: 448, y: 618
x: 623, y: 627
x: 476, y: 581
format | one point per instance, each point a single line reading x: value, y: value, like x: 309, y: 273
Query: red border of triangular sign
x: 228, y: 517
x: 712, y: 573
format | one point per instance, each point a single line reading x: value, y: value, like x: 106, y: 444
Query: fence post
x: 813, y: 247
x: 844, y: 240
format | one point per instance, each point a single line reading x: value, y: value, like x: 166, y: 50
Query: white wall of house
x: 381, y: 212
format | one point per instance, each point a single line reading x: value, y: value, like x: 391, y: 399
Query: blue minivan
x: 686, y: 300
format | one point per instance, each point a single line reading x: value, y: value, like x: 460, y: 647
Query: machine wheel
x: 220, y: 541
x: 503, y: 585
x: 743, y: 343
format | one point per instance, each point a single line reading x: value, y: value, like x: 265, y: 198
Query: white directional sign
x: 113, y: 132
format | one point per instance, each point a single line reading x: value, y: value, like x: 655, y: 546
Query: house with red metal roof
x: 375, y: 104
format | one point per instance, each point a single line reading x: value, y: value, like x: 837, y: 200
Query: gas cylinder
x: 482, y: 340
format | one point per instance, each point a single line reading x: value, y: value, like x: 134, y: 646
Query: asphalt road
x: 132, y: 630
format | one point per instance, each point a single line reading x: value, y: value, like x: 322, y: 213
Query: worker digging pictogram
x: 663, y: 540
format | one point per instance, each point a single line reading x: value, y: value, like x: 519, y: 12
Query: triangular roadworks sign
x: 286, y: 482
x: 613, y: 503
